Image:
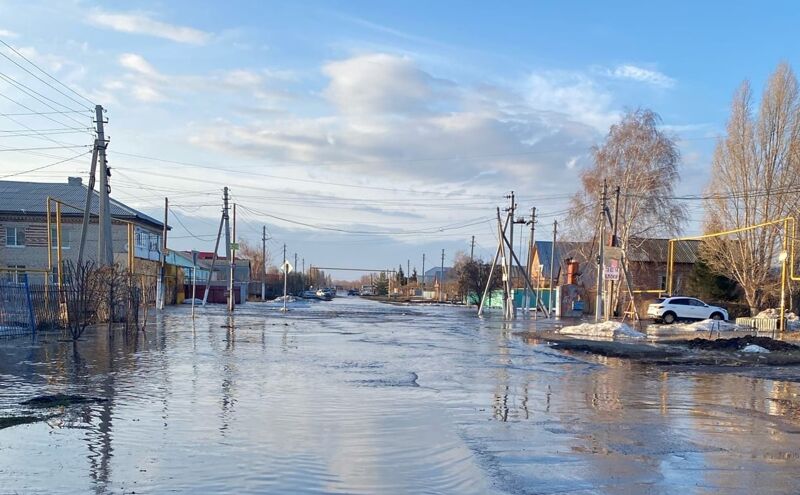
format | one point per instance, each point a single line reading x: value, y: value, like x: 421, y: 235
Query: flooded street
x: 354, y: 396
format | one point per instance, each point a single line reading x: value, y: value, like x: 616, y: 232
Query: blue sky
x: 401, y: 123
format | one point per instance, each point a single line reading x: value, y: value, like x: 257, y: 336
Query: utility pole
x: 105, y: 245
x: 264, y: 263
x: 552, y: 265
x: 510, y: 293
x: 222, y: 223
x: 285, y: 277
x: 162, y: 271
x: 532, y: 223
x: 303, y: 277
x: 423, y: 274
x: 226, y: 220
x: 234, y: 246
x: 441, y: 280
x: 89, y: 196
x: 294, y: 284
x: 614, y: 243
x: 598, y: 309
x: 472, y: 249
x: 408, y: 270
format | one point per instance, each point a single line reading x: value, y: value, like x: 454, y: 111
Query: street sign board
x: 286, y: 267
x: 234, y: 246
x: 611, y: 270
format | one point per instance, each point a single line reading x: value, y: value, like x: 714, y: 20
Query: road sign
x: 194, y: 258
x: 286, y: 267
x: 234, y: 246
x: 611, y: 270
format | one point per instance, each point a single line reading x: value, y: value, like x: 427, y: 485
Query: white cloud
x: 395, y: 120
x: 138, y: 64
x: 5, y: 33
x: 640, y: 74
x: 139, y: 23
x: 380, y: 83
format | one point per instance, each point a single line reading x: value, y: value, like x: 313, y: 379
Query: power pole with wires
x: 510, y: 310
x: 162, y: 271
x: 552, y: 266
x: 423, y: 274
x: 223, y: 222
x: 232, y: 257
x: 598, y: 310
x: 441, y: 280
x: 472, y: 249
x: 105, y: 245
x: 532, y: 223
x: 264, y: 263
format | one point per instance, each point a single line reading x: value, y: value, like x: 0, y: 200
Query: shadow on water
x: 354, y: 396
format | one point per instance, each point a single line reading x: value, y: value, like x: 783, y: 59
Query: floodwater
x: 354, y: 396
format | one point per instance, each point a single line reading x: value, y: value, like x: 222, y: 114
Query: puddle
x: 354, y: 396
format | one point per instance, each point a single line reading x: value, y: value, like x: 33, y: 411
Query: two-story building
x: 23, y: 229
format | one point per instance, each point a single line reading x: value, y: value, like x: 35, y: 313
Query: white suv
x: 670, y: 309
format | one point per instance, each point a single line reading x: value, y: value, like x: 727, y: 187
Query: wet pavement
x: 354, y: 396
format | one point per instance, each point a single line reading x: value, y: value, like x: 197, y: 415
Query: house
x: 23, y: 229
x: 647, y: 261
x: 435, y: 273
x: 222, y: 267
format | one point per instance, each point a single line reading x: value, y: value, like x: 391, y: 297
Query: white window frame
x: 16, y: 237
x: 66, y: 237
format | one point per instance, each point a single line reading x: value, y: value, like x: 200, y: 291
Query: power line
x: 28, y: 90
x: 91, y: 103
x: 45, y: 166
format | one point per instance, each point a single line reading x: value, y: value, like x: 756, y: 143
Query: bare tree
x: 642, y: 161
x: 83, y: 294
x: 256, y: 257
x: 753, y: 180
x: 471, y: 275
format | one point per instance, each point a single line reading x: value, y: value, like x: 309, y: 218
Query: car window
x: 696, y: 302
x: 678, y: 301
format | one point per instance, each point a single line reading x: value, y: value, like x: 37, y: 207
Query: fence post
x: 31, y: 315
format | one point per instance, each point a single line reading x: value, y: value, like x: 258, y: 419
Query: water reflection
x: 358, y: 397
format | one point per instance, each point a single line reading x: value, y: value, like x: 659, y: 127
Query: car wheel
x: 669, y: 318
x: 716, y: 316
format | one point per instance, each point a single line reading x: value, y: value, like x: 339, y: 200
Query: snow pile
x: 755, y: 348
x: 606, y: 329
x: 707, y: 326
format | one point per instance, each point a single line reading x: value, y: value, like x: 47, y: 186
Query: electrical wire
x: 45, y: 166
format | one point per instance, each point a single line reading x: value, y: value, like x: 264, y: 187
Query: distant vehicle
x: 670, y: 309
x: 367, y: 290
x: 352, y: 292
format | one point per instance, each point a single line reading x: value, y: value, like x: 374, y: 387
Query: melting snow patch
x: 755, y: 348
x: 606, y: 329
x: 707, y: 326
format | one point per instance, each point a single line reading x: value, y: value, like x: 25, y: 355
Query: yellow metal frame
x: 59, y: 252
x: 789, y: 250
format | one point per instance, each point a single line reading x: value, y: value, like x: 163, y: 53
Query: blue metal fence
x: 16, y: 309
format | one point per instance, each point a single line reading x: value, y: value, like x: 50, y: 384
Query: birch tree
x: 754, y: 180
x: 642, y: 160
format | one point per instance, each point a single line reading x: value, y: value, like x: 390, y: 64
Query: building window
x: 66, y: 237
x: 17, y: 274
x: 15, y: 236
x: 155, y: 242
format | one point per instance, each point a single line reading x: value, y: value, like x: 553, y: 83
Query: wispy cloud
x: 139, y: 23
x: 5, y: 33
x: 640, y: 74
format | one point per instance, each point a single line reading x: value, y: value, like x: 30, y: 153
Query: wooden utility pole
x: 612, y: 298
x: 88, y: 205
x: 105, y: 244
